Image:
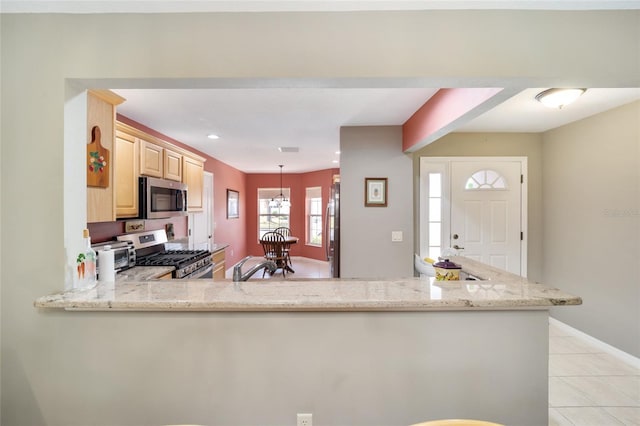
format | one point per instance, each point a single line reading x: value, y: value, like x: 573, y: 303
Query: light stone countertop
x: 499, y: 291
x: 142, y: 273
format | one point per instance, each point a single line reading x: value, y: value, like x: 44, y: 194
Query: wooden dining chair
x: 273, y: 245
x: 285, y: 232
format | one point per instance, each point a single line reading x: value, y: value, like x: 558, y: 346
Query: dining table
x: 289, y: 240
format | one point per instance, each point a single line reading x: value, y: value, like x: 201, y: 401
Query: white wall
x: 365, y: 232
x: 591, y: 214
x: 62, y: 368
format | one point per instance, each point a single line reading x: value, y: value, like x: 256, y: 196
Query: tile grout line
x: 598, y: 344
x: 564, y: 415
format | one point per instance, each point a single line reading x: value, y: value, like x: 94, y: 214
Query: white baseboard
x: 605, y: 347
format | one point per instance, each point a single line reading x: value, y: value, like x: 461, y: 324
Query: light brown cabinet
x: 219, y: 269
x: 126, y: 174
x: 147, y: 155
x: 193, y: 176
x: 135, y: 153
x: 160, y: 161
x: 172, y: 165
x: 151, y: 159
x: 101, y: 112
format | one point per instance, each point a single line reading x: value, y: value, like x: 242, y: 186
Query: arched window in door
x: 485, y: 180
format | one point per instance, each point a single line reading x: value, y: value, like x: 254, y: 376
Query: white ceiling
x: 522, y: 113
x: 254, y: 123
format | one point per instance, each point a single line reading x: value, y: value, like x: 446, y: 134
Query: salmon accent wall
x: 297, y: 182
x: 442, y: 109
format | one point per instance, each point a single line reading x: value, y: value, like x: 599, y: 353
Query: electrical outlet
x: 305, y: 419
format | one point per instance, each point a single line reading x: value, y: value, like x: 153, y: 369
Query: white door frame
x: 443, y: 165
x: 207, y: 215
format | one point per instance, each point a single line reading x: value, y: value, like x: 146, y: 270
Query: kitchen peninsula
x: 475, y: 349
x: 495, y: 289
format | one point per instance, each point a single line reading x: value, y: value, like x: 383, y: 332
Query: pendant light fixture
x: 280, y: 200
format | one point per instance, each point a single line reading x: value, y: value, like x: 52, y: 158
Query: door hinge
x: 521, y: 178
x: 521, y: 236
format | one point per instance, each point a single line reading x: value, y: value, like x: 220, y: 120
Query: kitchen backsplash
x: 106, y: 231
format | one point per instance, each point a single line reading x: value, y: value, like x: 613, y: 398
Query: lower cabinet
x: 219, y: 268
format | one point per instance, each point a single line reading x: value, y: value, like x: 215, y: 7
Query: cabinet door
x: 172, y: 165
x: 126, y: 175
x: 219, y: 269
x: 151, y: 159
x: 193, y: 175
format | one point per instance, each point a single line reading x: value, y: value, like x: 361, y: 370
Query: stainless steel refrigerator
x: 332, y: 230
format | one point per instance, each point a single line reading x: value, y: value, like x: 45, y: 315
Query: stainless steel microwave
x: 160, y: 198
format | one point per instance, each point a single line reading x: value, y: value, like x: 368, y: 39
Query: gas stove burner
x: 150, y: 251
x: 172, y: 258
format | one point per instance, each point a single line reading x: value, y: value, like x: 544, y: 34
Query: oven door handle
x: 200, y: 272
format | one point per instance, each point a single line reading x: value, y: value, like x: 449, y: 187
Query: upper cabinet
x: 126, y: 174
x: 101, y: 112
x: 141, y: 154
x: 172, y: 165
x: 151, y: 159
x: 193, y: 176
x: 160, y: 161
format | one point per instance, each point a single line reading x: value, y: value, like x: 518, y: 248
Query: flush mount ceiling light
x: 280, y: 200
x: 557, y: 98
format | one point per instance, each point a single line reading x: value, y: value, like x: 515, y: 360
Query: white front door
x: 486, y: 212
x: 201, y: 224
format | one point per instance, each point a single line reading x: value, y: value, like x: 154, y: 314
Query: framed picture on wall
x: 375, y: 192
x: 233, y: 201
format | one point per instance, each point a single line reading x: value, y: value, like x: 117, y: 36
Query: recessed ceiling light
x: 213, y: 136
x: 557, y: 98
x: 335, y: 161
x: 288, y: 149
x: 338, y: 152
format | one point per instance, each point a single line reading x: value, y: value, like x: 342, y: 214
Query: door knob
x: 457, y: 247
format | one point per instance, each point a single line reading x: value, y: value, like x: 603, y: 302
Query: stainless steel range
x: 151, y: 251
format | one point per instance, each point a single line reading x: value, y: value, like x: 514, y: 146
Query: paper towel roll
x: 106, y: 269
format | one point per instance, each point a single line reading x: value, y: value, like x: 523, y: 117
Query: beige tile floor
x: 304, y: 267
x: 587, y: 385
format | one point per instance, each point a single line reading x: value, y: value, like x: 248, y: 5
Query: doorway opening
x: 476, y: 206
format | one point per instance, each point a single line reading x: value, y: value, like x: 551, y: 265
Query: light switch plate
x: 396, y: 236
